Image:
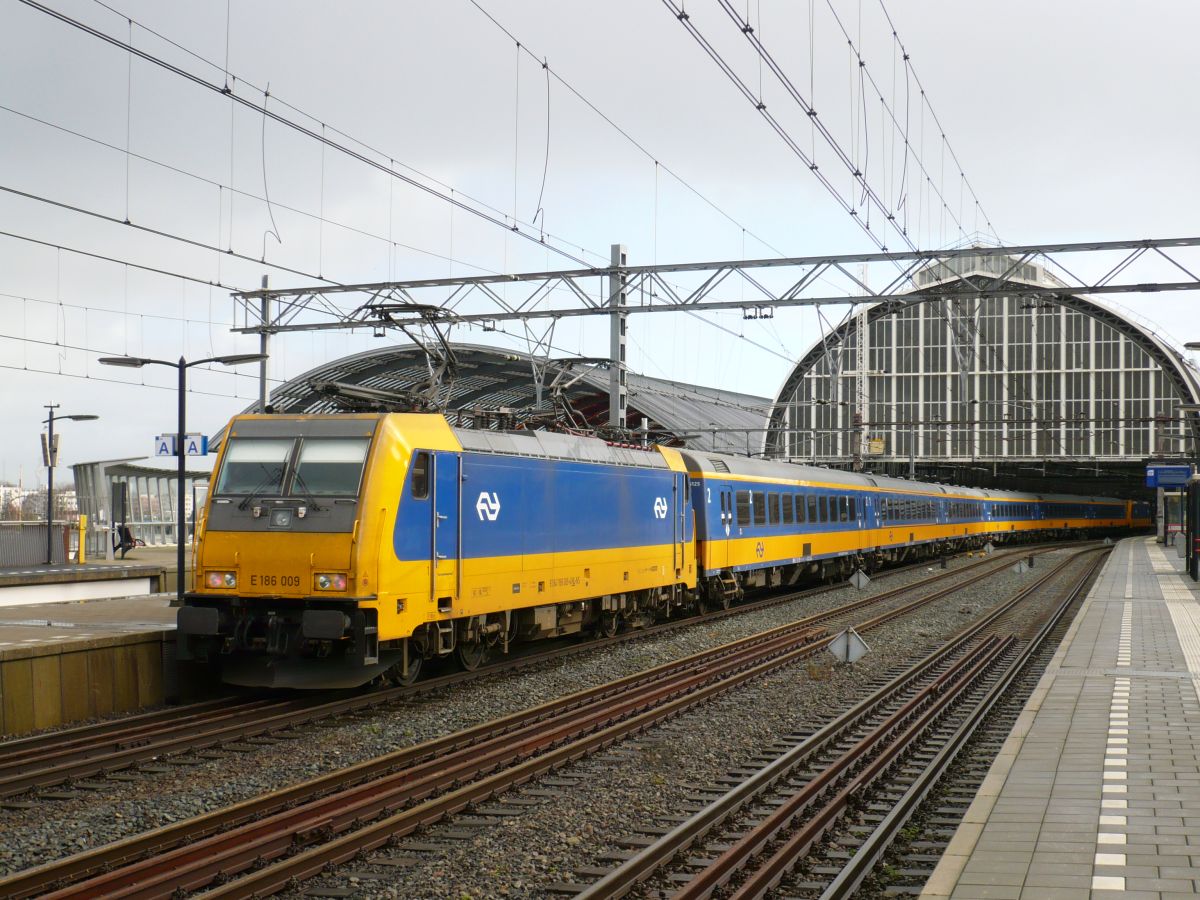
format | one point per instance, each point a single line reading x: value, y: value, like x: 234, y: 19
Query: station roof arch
x: 1066, y: 384
x: 490, y: 386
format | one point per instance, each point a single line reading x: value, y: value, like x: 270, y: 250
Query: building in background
x: 1011, y: 391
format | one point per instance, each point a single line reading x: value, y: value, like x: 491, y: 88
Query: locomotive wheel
x: 396, y: 675
x: 608, y: 624
x: 471, y: 654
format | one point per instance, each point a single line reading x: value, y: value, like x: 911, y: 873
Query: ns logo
x: 488, y: 506
x: 660, y: 507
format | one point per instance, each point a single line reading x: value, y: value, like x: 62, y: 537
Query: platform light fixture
x: 51, y: 454
x: 136, y: 362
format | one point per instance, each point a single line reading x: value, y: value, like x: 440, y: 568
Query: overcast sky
x: 1071, y: 120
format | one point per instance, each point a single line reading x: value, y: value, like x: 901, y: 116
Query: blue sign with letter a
x: 1167, y: 476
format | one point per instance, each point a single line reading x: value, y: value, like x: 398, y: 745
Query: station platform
x: 1096, y: 792
x: 77, y: 642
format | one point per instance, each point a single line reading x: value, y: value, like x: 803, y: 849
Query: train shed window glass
x: 254, y: 466
x: 420, y: 475
x: 774, y: 507
x: 743, y: 507
x: 760, y: 508
x: 330, y: 467
x: 789, y: 511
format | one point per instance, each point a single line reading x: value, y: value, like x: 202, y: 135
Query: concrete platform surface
x: 146, y: 570
x: 1096, y: 793
x: 89, y: 620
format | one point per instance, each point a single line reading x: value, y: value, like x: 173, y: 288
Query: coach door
x: 679, y: 511
x: 447, y: 527
x: 718, y: 545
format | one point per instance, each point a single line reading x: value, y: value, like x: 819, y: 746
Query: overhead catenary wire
x: 321, y: 137
x: 937, y: 121
x: 201, y: 245
x: 221, y: 187
x: 612, y: 123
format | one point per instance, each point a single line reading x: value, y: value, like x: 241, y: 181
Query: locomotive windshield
x: 330, y: 466
x: 322, y: 467
x: 254, y: 466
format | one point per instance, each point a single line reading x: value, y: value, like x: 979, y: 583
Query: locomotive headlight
x: 301, y: 512
x: 221, y: 579
x: 331, y: 581
x: 256, y: 511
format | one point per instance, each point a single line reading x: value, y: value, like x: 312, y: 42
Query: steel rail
x: 873, y: 848
x: 643, y: 864
x: 197, y: 864
x: 768, y: 873
x: 43, y: 763
x: 915, y: 721
x: 84, y: 864
x: 274, y: 876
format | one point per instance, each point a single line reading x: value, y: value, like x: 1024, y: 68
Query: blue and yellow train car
x: 337, y: 548
x: 340, y: 548
x: 765, y: 523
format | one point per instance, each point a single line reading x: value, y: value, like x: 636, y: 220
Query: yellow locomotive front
x: 280, y: 576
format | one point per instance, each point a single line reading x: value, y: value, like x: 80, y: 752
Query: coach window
x: 823, y: 508
x: 743, y: 507
x: 774, y: 507
x: 843, y: 509
x: 420, y: 475
x: 789, y: 510
x: 760, y: 508
x: 853, y: 510
x: 812, y: 508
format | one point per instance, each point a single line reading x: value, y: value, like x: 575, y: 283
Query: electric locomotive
x: 335, y: 549
x: 338, y: 548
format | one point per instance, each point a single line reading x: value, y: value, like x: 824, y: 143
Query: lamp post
x: 51, y: 450
x: 136, y: 362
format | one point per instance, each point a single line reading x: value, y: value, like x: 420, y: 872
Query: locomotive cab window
x: 330, y: 467
x: 254, y: 466
x: 420, y: 475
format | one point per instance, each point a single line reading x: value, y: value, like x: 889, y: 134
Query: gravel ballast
x: 626, y: 788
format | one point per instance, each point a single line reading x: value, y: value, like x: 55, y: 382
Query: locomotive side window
x: 254, y: 466
x: 330, y: 466
x: 420, y: 475
x: 743, y: 507
x: 760, y: 508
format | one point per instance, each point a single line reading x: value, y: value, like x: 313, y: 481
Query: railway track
x: 376, y: 801
x: 91, y: 751
x: 876, y: 761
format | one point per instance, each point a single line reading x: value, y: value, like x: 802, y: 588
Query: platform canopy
x: 489, y: 387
